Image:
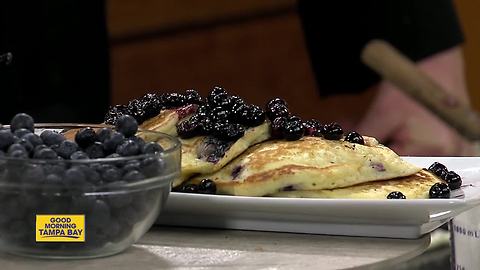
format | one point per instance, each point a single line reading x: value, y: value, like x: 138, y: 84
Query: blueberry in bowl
x: 83, y: 195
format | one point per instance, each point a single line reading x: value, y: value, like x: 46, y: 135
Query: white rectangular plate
x: 375, y: 218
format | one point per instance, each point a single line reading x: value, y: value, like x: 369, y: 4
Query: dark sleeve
x: 336, y: 31
x: 60, y: 68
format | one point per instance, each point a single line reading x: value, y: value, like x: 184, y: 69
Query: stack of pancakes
x: 312, y: 167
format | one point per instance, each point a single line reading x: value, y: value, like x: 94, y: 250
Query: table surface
x: 188, y: 248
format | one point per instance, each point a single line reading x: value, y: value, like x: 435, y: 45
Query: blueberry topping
x: 114, y: 113
x: 439, y: 170
x: 312, y: 128
x: 50, y: 137
x: 293, y: 129
x: 207, y: 186
x: 189, y: 128
x: 173, y: 100
x: 22, y: 120
x: 454, y: 180
x: 354, y: 137
x: 275, y: 101
x: 277, y: 110
x: 189, y: 188
x: 127, y: 125
x: 396, y: 195
x: 252, y: 116
x: 278, y: 125
x: 192, y: 97
x: 332, y: 131
x: 439, y: 191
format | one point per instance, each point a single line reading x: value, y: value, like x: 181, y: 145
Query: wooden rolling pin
x: 402, y: 72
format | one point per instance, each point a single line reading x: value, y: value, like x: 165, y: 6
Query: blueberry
x: 139, y: 141
x: 111, y: 174
x: 79, y: 155
x: 39, y: 147
x: 34, y: 174
x: 131, y: 165
x: 189, y: 188
x: 34, y: 139
x: 207, y: 186
x: 152, y: 148
x: 75, y: 177
x: 192, y: 97
x: 22, y: 120
x: 128, y: 148
x: 53, y: 184
x: 133, y: 175
x: 26, y: 144
x: 439, y: 191
x: 21, y: 132
x: 82, y: 204
x: 91, y: 174
x: 100, y: 214
x: 127, y: 125
x: 103, y: 134
x: 354, y: 137
x: 6, y: 139
x: 396, y: 195
x: 16, y: 146
x: 45, y: 153
x: 95, y: 150
x: 85, y: 137
x: 332, y: 131
x: 439, y: 170
x: 293, y: 129
x: 118, y: 200
x: 50, y: 137
x: 55, y: 168
x: 66, y: 148
x: 111, y: 144
x: 277, y: 110
x: 151, y: 166
x: 454, y: 180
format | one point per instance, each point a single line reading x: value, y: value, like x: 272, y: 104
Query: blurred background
x: 254, y: 48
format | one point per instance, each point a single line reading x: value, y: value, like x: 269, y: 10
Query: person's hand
x: 410, y: 129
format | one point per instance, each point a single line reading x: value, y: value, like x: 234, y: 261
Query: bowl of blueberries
x: 81, y: 191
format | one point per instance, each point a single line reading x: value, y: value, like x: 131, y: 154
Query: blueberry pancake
x: 416, y: 186
x: 310, y: 163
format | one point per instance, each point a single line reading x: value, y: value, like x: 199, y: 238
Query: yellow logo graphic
x: 60, y: 228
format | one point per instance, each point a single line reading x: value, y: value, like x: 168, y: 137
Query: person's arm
x: 409, y: 128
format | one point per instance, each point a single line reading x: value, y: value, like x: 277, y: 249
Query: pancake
x: 416, y: 186
x: 311, y: 163
x: 205, y: 154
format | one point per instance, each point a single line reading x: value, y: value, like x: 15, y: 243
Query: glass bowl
x: 99, y: 213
